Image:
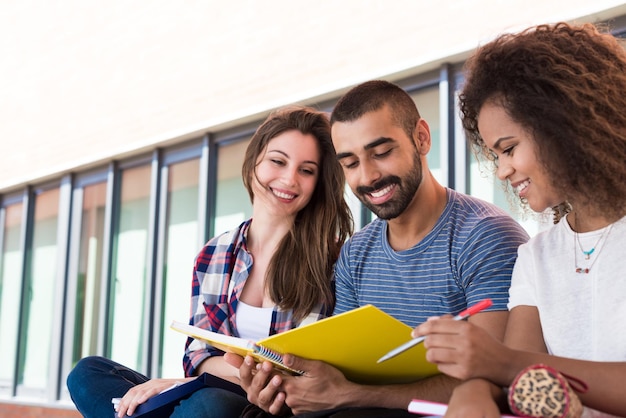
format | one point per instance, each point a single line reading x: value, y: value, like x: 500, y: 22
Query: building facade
x: 123, y: 132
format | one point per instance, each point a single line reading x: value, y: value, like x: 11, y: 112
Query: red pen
x: 483, y: 304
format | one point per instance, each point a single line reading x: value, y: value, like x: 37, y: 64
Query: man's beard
x: 404, y: 192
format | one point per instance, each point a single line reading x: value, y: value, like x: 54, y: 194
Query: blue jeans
x: 96, y: 380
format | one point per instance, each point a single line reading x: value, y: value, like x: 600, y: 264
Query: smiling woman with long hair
x: 272, y: 273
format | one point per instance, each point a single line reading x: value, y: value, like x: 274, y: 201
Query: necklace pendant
x: 600, y: 243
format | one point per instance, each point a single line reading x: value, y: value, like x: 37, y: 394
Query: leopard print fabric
x: 540, y: 391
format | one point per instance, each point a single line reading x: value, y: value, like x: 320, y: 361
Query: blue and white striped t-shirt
x: 468, y: 255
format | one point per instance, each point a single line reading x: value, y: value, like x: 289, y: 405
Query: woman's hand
x: 141, y: 393
x: 463, y: 350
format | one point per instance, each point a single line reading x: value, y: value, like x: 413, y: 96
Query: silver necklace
x: 591, y: 251
x: 587, y: 254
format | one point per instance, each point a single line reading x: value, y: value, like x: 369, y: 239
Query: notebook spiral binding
x: 274, y: 357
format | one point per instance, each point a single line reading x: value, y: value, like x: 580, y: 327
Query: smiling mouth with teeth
x: 284, y: 195
x: 381, y: 192
x: 522, y: 186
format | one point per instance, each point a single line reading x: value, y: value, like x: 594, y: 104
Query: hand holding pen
x: 484, y: 304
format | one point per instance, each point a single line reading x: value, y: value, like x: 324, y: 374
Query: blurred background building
x: 123, y: 126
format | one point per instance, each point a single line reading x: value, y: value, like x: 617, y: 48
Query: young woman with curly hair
x: 548, y: 107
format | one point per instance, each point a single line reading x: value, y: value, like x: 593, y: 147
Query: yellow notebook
x: 352, y: 341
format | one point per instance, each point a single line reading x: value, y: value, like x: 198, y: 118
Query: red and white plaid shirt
x: 219, y: 275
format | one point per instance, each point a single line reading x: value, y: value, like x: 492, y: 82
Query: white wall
x: 84, y: 81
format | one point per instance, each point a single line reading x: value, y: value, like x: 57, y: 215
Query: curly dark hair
x: 566, y: 85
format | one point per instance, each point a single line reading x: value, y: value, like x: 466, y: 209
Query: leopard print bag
x: 540, y: 391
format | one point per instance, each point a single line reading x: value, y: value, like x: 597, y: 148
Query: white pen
x: 483, y: 304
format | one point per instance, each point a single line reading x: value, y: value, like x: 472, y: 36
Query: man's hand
x: 321, y: 387
x: 261, y: 382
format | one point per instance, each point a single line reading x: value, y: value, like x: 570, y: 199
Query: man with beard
x: 431, y: 252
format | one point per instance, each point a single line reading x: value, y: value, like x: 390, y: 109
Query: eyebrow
x: 504, y: 138
x: 373, y: 144
x: 287, y: 156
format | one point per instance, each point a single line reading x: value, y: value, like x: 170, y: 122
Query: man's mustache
x: 380, y: 184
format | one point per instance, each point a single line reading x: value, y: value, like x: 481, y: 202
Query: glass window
x: 39, y: 299
x: 89, y: 271
x: 233, y: 203
x: 181, y: 247
x: 427, y: 101
x: 10, y: 290
x: 128, y: 287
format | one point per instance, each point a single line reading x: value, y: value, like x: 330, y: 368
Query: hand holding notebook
x: 163, y: 404
x: 351, y: 342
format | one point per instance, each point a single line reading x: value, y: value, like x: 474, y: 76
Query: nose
x: 504, y: 169
x: 369, y: 173
x: 290, y: 175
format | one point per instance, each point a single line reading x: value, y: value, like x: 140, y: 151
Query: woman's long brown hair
x: 299, y: 275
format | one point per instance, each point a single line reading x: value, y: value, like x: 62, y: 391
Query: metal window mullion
x: 59, y: 302
x: 446, y: 124
x: 463, y: 154
x: 111, y: 221
x: 3, y: 215
x: 69, y: 321
x: 209, y: 203
x: 204, y: 215
x: 26, y: 240
x: 152, y: 257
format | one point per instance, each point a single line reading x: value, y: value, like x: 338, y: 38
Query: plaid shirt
x: 220, y: 272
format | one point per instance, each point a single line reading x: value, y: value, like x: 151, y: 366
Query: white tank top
x: 253, y: 323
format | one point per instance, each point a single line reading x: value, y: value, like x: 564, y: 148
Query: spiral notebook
x: 352, y: 342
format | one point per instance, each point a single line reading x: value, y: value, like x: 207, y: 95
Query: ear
x: 421, y: 136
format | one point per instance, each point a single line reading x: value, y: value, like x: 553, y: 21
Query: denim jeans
x: 96, y: 380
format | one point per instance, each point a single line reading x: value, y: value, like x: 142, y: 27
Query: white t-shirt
x: 581, y: 314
